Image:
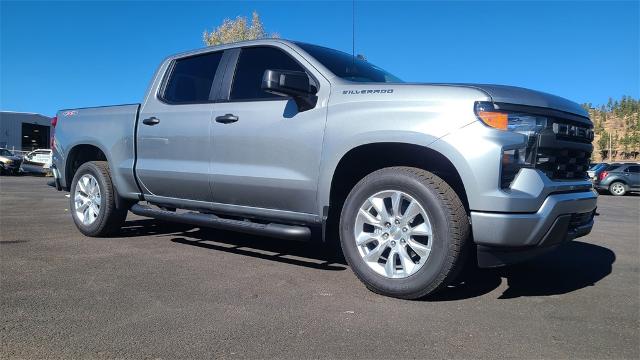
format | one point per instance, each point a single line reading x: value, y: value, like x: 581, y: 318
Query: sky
x: 57, y: 55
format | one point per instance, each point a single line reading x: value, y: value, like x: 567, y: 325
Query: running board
x: 289, y: 232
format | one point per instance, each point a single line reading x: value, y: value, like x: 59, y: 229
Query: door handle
x: 151, y: 121
x: 227, y: 119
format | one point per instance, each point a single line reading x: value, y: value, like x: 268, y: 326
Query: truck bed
x: 111, y: 129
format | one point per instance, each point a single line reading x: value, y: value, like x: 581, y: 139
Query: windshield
x: 347, y: 67
x: 5, y: 152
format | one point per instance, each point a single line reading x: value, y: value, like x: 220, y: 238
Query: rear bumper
x: 505, y: 238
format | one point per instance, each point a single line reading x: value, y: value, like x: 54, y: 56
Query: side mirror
x: 296, y: 84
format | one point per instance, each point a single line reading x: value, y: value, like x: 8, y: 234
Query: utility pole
x: 609, y: 154
x: 613, y: 132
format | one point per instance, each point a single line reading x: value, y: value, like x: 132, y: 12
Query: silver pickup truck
x: 287, y: 139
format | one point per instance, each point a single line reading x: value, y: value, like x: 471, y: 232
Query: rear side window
x: 252, y: 63
x: 633, y: 169
x: 191, y: 78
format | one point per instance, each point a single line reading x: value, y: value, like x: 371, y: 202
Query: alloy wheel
x: 87, y: 199
x: 617, y: 189
x: 393, y: 234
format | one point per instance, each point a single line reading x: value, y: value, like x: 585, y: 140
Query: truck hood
x: 522, y: 96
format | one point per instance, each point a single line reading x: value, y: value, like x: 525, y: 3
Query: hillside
x: 616, y: 123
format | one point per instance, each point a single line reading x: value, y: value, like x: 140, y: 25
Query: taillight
x: 54, y: 122
x: 603, y: 175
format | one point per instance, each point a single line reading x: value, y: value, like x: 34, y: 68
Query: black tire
x: 448, y: 218
x: 615, y: 192
x: 110, y: 219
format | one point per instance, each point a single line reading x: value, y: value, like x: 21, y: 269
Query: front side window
x: 347, y: 66
x: 191, y: 78
x: 253, y: 61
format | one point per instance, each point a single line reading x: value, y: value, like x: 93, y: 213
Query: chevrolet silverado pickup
x: 287, y: 139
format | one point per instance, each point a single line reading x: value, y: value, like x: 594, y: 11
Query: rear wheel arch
x: 80, y: 154
x: 84, y: 153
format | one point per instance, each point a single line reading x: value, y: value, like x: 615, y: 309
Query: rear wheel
x: 93, y: 201
x: 402, y: 231
x: 617, y: 188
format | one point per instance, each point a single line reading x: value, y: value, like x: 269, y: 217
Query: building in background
x: 24, y: 131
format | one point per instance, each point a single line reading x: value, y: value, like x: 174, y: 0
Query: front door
x: 174, y: 131
x: 633, y: 173
x: 266, y: 154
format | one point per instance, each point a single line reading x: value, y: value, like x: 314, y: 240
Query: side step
x: 289, y: 232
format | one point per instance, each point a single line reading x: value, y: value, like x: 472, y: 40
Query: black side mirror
x: 296, y: 84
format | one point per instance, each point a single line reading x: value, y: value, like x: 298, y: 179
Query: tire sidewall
x: 430, y: 201
x: 624, y: 187
x: 93, y: 228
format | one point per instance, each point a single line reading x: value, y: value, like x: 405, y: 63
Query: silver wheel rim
x: 87, y: 199
x: 617, y: 188
x: 393, y: 234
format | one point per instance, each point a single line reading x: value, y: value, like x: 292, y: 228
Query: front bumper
x: 13, y: 167
x: 504, y: 238
x: 601, y: 187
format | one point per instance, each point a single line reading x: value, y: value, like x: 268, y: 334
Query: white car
x: 37, y: 161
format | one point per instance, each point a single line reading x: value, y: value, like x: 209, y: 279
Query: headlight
x: 517, y: 157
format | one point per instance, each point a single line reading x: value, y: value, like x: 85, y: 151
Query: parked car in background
x: 619, y: 179
x: 37, y: 161
x: 9, y: 162
x: 594, y: 168
x: 598, y: 170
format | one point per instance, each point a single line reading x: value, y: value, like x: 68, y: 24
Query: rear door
x: 269, y: 155
x: 174, y: 130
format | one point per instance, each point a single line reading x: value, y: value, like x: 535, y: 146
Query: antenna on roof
x: 353, y: 30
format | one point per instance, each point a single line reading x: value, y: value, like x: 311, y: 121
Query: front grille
x: 571, y: 132
x: 564, y: 150
x: 563, y: 164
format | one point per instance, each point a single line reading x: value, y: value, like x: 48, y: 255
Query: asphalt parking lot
x: 174, y: 291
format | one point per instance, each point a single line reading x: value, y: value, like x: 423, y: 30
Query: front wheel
x: 617, y: 188
x: 93, y: 201
x: 403, y: 232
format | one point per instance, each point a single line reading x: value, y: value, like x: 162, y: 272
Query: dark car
x: 619, y: 179
x: 9, y: 163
